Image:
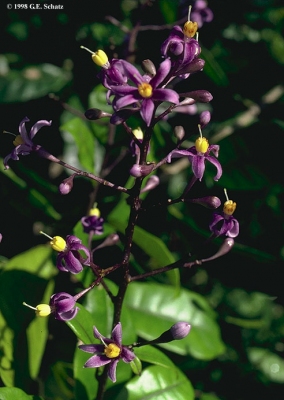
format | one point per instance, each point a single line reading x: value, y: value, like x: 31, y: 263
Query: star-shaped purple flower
x: 146, y: 91
x: 93, y: 223
x: 63, y: 306
x: 109, y: 352
x: 24, y: 141
x: 197, y: 155
x: 70, y: 259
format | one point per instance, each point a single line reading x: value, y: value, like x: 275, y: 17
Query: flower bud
x: 149, y: 67
x: 210, y: 202
x: 180, y: 330
x: 195, y: 65
x: 94, y: 114
x: 224, y: 249
x: 141, y: 170
x: 66, y: 186
x: 202, y: 96
x: 204, y: 118
x: 1, y: 237
x: 151, y: 183
x: 179, y: 132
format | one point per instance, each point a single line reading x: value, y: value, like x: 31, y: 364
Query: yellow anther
x: 94, y: 212
x: 112, y: 350
x: 145, y: 90
x: 229, y: 207
x: 138, y: 133
x: 201, y: 145
x: 18, y: 140
x: 190, y: 29
x: 99, y: 57
x: 58, y: 243
x: 41, y: 310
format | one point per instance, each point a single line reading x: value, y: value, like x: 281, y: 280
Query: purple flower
x: 24, y: 144
x: 109, y: 352
x: 69, y: 258
x: 197, y: 155
x: 146, y: 92
x: 93, y: 224
x: 181, y: 49
x: 224, y: 223
x: 63, y: 305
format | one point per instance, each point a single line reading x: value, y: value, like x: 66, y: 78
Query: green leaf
x: 7, y: 372
x: 154, y: 356
x: 154, y: 308
x: 84, y: 139
x: 270, y: 364
x: 16, y: 394
x: 136, y: 366
x: 86, y: 385
x: 37, y: 335
x: 169, y: 10
x: 158, y: 383
x: 82, y: 325
x: 32, y: 82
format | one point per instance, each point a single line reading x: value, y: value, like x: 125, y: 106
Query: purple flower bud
x: 63, y: 306
x: 204, y: 118
x: 141, y: 170
x: 66, y: 186
x: 180, y: 330
x: 179, y: 132
x: 210, y: 202
x: 95, y: 113
x: 149, y: 67
x: 202, y: 96
x: 195, y: 65
x: 1, y: 237
x: 224, y: 249
x: 151, y: 183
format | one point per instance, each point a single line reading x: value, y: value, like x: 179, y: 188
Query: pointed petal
x: 116, y: 334
x: 165, y: 95
x: 131, y: 72
x: 215, y: 162
x: 122, y: 90
x: 127, y: 100
x: 36, y: 127
x: 92, y: 348
x: 234, y: 230
x: 147, y: 111
x: 162, y: 73
x: 23, y: 131
x: 97, y: 361
x: 97, y: 334
x: 72, y: 264
x: 198, y: 166
x: 112, y: 370
x: 127, y: 355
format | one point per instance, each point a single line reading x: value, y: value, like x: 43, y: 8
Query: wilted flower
x: 224, y: 223
x: 197, y: 155
x: 24, y: 142
x: 109, y: 352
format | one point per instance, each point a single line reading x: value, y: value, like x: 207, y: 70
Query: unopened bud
x: 95, y: 113
x: 141, y: 170
x: 66, y: 186
x: 179, y: 132
x: 210, y: 202
x: 202, y: 96
x: 149, y: 67
x: 224, y: 249
x: 204, y: 118
x: 151, y: 183
x: 180, y: 330
x: 195, y: 65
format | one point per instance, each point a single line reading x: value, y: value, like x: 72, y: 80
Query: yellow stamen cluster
x: 94, y: 212
x: 41, y: 310
x: 190, y: 29
x: 201, y: 145
x: 100, y: 58
x: 58, y: 243
x: 138, y: 133
x: 229, y: 207
x: 112, y: 350
x: 18, y: 140
x: 145, y: 90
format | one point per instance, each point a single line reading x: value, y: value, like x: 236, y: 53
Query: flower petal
x: 127, y: 355
x: 147, y: 111
x: 92, y: 348
x: 131, y: 72
x: 165, y: 95
x: 97, y: 361
x: 112, y: 370
x: 127, y: 100
x: 36, y: 127
x: 215, y: 162
x: 198, y: 166
x: 116, y: 334
x: 162, y: 73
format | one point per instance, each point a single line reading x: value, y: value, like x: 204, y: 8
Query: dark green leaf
x: 270, y: 364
